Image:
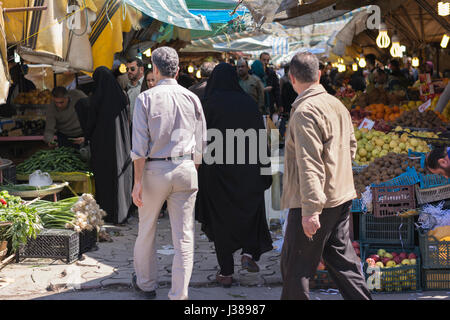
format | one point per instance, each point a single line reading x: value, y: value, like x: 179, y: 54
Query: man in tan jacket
x: 318, y: 188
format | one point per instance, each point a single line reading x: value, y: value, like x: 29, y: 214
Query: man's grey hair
x: 304, y: 67
x: 166, y: 60
x: 207, y: 68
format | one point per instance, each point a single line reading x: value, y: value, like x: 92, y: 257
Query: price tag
x: 367, y: 123
x: 425, y: 106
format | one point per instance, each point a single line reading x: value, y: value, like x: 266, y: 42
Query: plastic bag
x: 40, y: 179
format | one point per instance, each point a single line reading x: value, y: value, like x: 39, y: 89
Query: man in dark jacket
x: 272, y: 85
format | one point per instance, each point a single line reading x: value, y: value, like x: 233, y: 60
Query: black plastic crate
x: 88, y: 239
x: 403, y: 278
x: 52, y: 243
x: 435, y: 253
x: 392, y: 230
x: 9, y: 175
x: 436, y: 279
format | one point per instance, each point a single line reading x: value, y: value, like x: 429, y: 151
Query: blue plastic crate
x: 356, y: 205
x: 410, y: 177
x: 432, y: 180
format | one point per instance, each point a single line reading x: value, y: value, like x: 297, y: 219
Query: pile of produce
x: 392, y: 277
x: 25, y: 220
x: 77, y: 213
x: 380, y: 96
x: 34, y: 97
x: 374, y: 144
x: 384, y: 169
x: 58, y: 160
x: 428, y: 119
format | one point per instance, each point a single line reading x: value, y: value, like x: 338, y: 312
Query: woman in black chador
x: 108, y: 131
x: 230, y: 201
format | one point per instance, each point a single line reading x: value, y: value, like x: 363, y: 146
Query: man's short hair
x: 264, y: 54
x: 138, y: 61
x: 207, y: 68
x: 304, y: 67
x: 370, y: 58
x: 166, y: 60
x: 434, y: 155
x: 60, y: 92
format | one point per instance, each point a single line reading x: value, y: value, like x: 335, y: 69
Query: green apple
x: 388, y: 255
x: 381, y: 252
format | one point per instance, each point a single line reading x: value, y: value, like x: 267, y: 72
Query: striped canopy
x: 174, y: 12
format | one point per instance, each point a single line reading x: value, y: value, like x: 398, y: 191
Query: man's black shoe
x: 146, y: 294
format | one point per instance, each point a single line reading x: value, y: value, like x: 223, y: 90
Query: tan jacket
x: 320, y: 147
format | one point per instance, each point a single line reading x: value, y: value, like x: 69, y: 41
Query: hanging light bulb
x: 342, y: 68
x: 444, y: 41
x: 383, y: 40
x: 396, y: 50
x: 443, y: 8
x: 148, y: 52
x: 123, y: 68
x: 354, y: 67
x: 191, y: 69
x: 362, y: 62
x: 198, y: 74
x: 415, y: 62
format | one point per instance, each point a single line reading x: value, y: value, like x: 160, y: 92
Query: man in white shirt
x: 169, y: 133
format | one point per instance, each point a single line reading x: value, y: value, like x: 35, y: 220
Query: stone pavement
x: 105, y: 274
x: 112, y: 266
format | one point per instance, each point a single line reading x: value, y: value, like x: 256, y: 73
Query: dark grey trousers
x: 301, y: 256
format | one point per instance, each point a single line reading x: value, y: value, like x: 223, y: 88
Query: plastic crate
x: 433, y: 279
x: 432, y: 180
x: 432, y: 194
x: 391, y: 230
x: 390, y: 200
x: 88, y: 239
x: 435, y: 253
x: 356, y: 205
x: 52, y: 243
x: 396, y: 279
x: 410, y: 177
x: 358, y: 169
x: 9, y: 175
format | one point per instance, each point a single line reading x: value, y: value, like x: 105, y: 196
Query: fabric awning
x: 171, y: 11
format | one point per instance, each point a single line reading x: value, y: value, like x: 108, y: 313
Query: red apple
x: 375, y: 257
x: 385, y: 260
x: 403, y: 255
x: 394, y: 254
x: 397, y: 259
x: 412, y: 256
x: 355, y: 244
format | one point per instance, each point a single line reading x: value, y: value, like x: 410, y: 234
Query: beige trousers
x: 177, y: 183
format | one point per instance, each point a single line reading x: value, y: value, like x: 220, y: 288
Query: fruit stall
x: 401, y: 219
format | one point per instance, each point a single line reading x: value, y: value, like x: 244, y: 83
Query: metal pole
x: 8, y: 10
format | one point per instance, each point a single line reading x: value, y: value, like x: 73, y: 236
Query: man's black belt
x: 185, y: 157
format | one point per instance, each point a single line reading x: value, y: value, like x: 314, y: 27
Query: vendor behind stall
x: 62, y: 119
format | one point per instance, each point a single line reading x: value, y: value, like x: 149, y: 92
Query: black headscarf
x: 107, y: 89
x: 223, y: 78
